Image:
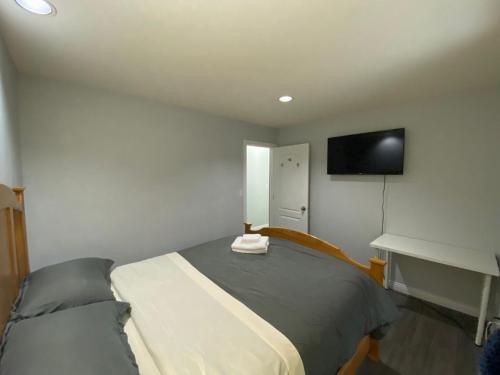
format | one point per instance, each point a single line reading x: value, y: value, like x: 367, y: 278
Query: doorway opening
x: 276, y: 185
x: 257, y: 183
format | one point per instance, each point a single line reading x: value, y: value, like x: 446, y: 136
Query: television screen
x: 379, y: 152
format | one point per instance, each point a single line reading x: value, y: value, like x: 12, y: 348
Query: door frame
x: 271, y: 163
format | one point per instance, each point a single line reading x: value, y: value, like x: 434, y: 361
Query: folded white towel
x: 250, y: 248
x: 251, y: 238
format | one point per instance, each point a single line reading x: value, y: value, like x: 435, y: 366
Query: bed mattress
x: 207, y: 310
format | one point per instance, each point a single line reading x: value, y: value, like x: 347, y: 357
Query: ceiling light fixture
x: 41, y: 7
x: 285, y: 99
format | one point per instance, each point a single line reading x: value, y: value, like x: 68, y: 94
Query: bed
x: 305, y: 307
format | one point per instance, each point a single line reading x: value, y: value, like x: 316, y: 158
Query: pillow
x: 80, y: 341
x: 60, y: 286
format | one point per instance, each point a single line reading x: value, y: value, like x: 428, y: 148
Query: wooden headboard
x: 14, y: 263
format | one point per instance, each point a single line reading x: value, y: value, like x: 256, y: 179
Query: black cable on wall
x: 383, y: 209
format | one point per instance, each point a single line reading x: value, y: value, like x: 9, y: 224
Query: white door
x: 290, y: 187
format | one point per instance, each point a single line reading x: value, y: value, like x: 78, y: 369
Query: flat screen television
x: 379, y: 152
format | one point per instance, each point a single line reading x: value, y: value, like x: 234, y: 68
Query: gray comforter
x: 322, y: 304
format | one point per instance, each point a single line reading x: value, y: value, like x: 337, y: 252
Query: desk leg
x: 485, y: 296
x: 386, y: 255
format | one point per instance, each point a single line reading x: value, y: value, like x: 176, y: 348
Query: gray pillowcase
x: 86, y: 340
x: 60, y: 286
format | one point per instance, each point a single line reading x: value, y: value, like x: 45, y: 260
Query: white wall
x: 450, y: 191
x: 118, y: 176
x: 10, y: 161
x: 257, y: 180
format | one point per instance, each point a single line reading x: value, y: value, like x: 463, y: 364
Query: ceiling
x: 235, y: 57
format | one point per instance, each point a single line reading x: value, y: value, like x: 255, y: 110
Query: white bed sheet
x: 190, y: 326
x: 143, y: 358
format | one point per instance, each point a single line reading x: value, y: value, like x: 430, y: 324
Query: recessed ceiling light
x: 285, y: 98
x: 37, y: 6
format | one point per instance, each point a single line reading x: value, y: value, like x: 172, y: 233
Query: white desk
x: 467, y: 259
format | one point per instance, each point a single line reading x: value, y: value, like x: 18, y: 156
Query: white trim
x: 244, y: 190
x: 433, y: 298
x: 258, y: 227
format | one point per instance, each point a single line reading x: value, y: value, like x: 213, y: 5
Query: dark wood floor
x: 427, y: 340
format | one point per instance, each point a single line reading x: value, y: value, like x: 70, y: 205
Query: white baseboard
x: 433, y: 298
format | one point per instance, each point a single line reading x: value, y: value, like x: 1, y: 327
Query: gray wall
x: 129, y: 178
x: 450, y: 191
x: 10, y: 161
x: 118, y: 176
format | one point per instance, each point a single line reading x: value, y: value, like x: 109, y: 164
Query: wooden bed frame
x: 367, y: 346
x: 14, y: 263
